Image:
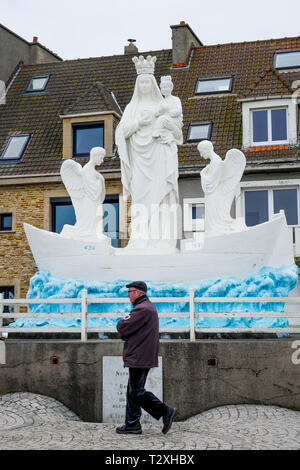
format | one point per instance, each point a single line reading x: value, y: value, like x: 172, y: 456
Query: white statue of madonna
x: 147, y: 138
x: 220, y: 182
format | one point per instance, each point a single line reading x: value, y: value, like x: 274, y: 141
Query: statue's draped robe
x: 90, y: 206
x: 149, y: 173
x: 219, y: 180
x: 87, y: 191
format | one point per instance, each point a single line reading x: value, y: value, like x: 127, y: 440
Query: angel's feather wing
x: 233, y: 169
x: 71, y: 176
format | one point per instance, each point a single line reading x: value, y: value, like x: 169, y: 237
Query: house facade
x: 238, y: 95
x: 15, y: 49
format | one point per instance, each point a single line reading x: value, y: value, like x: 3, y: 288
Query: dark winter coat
x: 140, y: 332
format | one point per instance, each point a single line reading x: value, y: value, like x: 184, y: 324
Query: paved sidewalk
x: 30, y: 421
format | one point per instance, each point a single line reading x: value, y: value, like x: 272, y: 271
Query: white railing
x: 84, y: 301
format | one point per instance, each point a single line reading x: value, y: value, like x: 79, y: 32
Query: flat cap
x: 140, y: 285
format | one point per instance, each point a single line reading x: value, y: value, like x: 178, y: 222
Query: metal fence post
x: 192, y: 315
x: 84, y: 316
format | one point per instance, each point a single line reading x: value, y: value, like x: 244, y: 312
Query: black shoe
x: 129, y: 429
x: 168, y: 419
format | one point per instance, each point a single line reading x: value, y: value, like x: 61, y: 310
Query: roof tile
x: 85, y: 85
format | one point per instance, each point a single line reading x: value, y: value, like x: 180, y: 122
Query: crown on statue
x: 143, y: 65
x: 166, y: 79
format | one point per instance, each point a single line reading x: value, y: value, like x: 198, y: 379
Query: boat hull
x: 232, y: 255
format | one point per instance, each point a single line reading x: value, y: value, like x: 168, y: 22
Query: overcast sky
x: 92, y: 28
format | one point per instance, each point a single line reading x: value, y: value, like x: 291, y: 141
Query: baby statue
x: 169, y: 114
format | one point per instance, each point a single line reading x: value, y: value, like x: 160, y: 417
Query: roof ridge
x: 85, y: 59
x: 30, y: 43
x: 289, y: 38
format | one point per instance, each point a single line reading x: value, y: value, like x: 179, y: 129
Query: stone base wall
x: 196, y: 376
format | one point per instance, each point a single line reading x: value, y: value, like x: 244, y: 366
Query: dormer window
x: 38, y: 84
x: 269, y: 126
x: 287, y: 59
x: 207, y: 86
x: 199, y: 131
x: 15, y: 148
x: 86, y: 136
x: 269, y: 122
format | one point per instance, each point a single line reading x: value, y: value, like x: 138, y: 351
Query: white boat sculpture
x: 236, y: 254
x: 147, y: 138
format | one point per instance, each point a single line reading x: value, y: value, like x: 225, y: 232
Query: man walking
x: 140, y: 331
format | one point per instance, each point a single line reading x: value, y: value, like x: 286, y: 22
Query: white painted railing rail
x: 84, y: 301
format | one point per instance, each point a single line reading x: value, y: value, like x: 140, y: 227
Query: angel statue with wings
x: 220, y: 183
x: 86, y: 187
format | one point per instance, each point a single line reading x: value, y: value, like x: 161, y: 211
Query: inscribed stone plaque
x: 2, y: 352
x: 115, y: 379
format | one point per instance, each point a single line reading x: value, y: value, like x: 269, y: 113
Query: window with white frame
x: 193, y: 214
x: 260, y: 204
x: 269, y: 126
x: 269, y: 122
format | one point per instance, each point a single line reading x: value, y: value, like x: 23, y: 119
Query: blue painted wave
x: 268, y: 282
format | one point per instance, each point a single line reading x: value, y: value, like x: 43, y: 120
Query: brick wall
x: 17, y: 264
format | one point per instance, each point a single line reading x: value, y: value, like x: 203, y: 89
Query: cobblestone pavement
x: 30, y: 421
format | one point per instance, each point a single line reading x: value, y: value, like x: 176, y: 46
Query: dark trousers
x: 138, y: 397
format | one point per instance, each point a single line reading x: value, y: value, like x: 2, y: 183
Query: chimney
x: 131, y: 48
x: 183, y: 38
x: 35, y: 39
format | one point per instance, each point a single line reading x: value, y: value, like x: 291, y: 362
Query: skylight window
x: 199, y: 131
x: 15, y: 148
x: 287, y: 59
x: 214, y: 85
x: 38, y: 84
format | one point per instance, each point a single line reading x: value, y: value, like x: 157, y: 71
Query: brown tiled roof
x: 70, y: 82
x: 96, y: 98
x: 269, y: 83
x: 250, y: 64
x: 73, y: 87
